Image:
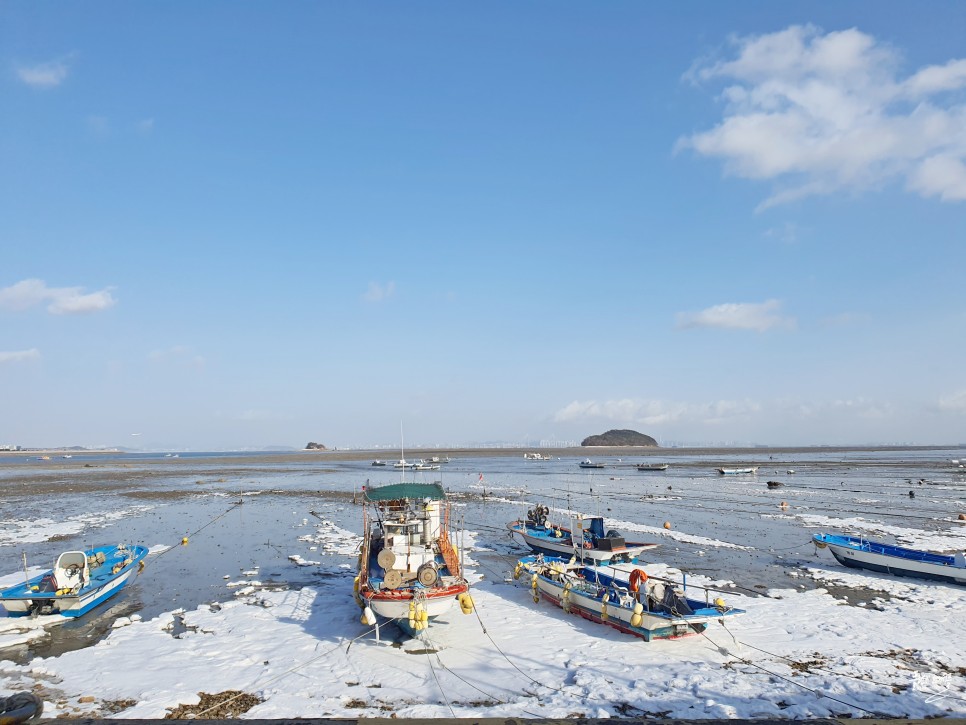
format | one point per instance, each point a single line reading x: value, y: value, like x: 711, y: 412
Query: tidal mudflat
x: 259, y: 599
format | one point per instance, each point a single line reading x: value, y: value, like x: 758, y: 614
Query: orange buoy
x: 667, y: 525
x: 784, y: 504
x: 962, y: 517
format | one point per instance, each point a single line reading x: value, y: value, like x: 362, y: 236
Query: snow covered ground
x: 802, y: 650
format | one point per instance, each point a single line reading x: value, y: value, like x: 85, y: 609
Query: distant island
x: 620, y: 438
x: 313, y: 446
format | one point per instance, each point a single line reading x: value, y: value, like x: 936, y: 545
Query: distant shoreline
x: 455, y: 453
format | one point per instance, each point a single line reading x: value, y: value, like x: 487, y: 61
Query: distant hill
x: 620, y: 438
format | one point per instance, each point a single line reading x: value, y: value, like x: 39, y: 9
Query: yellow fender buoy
x: 184, y: 541
x: 667, y: 525
x: 533, y: 581
x: 517, y: 569
x: 637, y: 618
x: 466, y: 603
x: 140, y: 566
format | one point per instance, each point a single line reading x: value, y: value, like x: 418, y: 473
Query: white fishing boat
x: 409, y: 568
x: 737, y: 471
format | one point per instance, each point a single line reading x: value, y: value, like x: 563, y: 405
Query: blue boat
x: 585, y: 537
x: 79, y: 581
x: 859, y: 553
x: 646, y: 607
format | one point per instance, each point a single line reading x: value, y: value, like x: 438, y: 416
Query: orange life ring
x: 638, y: 577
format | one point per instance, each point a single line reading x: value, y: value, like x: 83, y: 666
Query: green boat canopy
x: 396, y: 491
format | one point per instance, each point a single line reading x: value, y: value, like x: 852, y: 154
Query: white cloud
x: 737, y: 316
x: 62, y: 300
x: 19, y: 355
x: 837, y: 409
x: 955, y: 402
x: 629, y: 411
x: 378, y: 293
x: 76, y: 303
x: 44, y: 75
x: 824, y: 112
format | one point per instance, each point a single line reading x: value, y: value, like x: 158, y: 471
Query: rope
x: 439, y: 685
x: 790, y: 681
x: 287, y: 672
x: 219, y: 516
x: 826, y: 669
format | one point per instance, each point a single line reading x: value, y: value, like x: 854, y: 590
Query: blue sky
x: 232, y: 224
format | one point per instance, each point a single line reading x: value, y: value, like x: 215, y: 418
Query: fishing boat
x: 423, y: 465
x: 652, y: 466
x: 79, y: 581
x: 584, y: 537
x: 537, y: 457
x: 587, y: 463
x: 645, y: 606
x: 859, y: 553
x: 737, y: 471
x: 377, y: 462
x: 409, y: 569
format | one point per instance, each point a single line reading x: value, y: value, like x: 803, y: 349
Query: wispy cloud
x: 99, y: 125
x: 378, y: 292
x: 61, y: 300
x: 738, y: 316
x: 655, y: 412
x: 44, y: 75
x: 820, y: 112
x: 145, y: 126
x: 854, y: 407
x: 954, y: 402
x: 179, y: 355
x: 19, y: 355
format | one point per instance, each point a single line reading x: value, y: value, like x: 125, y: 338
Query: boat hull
x: 564, y: 545
x: 857, y: 553
x: 23, y: 600
x: 584, y: 596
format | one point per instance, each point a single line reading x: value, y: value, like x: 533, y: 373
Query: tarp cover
x: 406, y: 490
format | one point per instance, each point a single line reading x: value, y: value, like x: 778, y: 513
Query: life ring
x: 638, y: 577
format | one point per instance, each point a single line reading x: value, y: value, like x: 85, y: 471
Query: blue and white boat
x: 646, y: 607
x: 79, y: 581
x: 859, y: 553
x: 584, y: 538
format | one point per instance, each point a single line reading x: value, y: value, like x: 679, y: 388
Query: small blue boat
x: 584, y: 538
x: 646, y: 607
x: 859, y: 553
x: 79, y: 581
